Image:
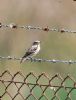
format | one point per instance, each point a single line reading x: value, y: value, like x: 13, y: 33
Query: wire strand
x: 29, y: 27
x: 39, y: 60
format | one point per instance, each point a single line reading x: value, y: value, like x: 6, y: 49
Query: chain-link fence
x: 33, y: 87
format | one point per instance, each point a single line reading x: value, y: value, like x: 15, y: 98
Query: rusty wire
x: 39, y: 60
x: 29, y: 27
x: 33, y: 87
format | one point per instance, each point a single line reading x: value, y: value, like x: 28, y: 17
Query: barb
x: 29, y: 27
x: 39, y: 60
x: 31, y: 86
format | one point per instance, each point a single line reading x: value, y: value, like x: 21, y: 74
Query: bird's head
x: 36, y: 42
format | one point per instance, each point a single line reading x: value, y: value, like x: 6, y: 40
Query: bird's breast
x: 38, y: 49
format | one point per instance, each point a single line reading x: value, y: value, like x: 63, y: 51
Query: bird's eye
x: 34, y: 43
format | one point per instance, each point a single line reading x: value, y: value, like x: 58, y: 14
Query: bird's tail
x: 22, y: 60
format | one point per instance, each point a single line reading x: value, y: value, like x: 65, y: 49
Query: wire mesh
x: 33, y: 87
x: 29, y: 27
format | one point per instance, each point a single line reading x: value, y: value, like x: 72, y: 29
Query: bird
x: 32, y: 51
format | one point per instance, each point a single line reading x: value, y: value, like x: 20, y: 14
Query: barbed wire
x: 29, y: 27
x: 32, y: 87
x: 39, y: 60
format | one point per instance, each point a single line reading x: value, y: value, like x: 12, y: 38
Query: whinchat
x: 35, y: 48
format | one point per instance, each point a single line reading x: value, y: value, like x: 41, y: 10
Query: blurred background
x: 54, y: 45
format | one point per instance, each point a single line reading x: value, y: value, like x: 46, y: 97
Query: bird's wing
x: 30, y: 51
